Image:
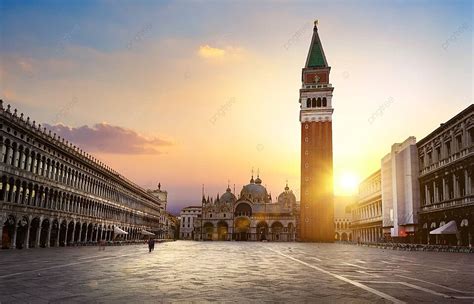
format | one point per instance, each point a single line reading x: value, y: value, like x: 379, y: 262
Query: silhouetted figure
x: 151, y: 245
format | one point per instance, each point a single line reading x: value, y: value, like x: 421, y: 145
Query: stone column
x: 455, y: 186
x: 27, y: 238
x: 80, y: 234
x: 2, y: 151
x: 48, y: 239
x: 427, y: 194
x: 38, y: 235
x: 1, y: 231
x: 8, y: 155
x: 15, y: 158
x: 14, y: 235
x: 73, y: 233
x: 467, y: 185
x: 59, y: 234
x: 65, y: 234
x: 86, y: 235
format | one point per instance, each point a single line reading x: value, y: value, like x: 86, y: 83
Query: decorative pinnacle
x: 316, y: 22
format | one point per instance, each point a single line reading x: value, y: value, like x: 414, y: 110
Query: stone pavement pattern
x: 185, y: 271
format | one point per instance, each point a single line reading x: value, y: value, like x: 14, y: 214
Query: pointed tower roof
x: 316, y: 57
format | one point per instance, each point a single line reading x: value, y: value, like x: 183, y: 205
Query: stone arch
x: 243, y: 209
x: 77, y: 231
x: 45, y: 226
x: 62, y: 233
x: 54, y: 237
x: 35, y: 227
x: 277, y: 230
x: 222, y: 230
x: 262, y: 230
x: 242, y: 229
x: 344, y: 237
x: 8, y: 232
x: 21, y: 232
x: 337, y: 237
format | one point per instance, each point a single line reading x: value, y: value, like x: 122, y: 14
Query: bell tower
x: 317, y: 198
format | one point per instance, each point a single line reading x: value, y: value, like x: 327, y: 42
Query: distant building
x: 171, y: 227
x: 343, y: 217
x: 446, y: 162
x: 400, y: 191
x: 367, y: 211
x: 161, y: 195
x: 253, y: 216
x: 188, y: 216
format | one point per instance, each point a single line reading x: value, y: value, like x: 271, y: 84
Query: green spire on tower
x: 316, y: 57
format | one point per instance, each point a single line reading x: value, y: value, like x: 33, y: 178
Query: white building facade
x: 400, y: 191
x: 188, y: 217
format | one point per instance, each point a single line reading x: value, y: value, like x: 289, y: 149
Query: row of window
x: 446, y: 149
x: 18, y: 156
x: 446, y: 187
x: 367, y: 212
x: 341, y: 225
x: 316, y: 103
x: 29, y: 194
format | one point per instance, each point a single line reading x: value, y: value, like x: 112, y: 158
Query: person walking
x: 151, y: 245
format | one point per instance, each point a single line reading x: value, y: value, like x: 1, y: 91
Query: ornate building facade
x: 367, y: 211
x: 252, y: 216
x: 343, y: 217
x: 317, y: 201
x: 446, y: 161
x: 54, y: 194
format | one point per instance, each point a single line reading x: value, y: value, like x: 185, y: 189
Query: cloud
x: 106, y: 138
x: 207, y: 51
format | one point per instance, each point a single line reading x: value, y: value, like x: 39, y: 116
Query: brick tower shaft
x: 317, y: 198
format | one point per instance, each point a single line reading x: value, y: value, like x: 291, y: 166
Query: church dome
x: 287, y: 197
x: 255, y: 192
x: 228, y: 197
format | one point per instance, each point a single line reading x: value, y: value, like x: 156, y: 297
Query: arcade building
x: 54, y: 194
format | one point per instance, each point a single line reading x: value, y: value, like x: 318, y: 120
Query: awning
x: 144, y: 232
x: 449, y: 228
x: 118, y: 231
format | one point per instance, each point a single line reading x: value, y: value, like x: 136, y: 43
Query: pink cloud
x: 106, y: 138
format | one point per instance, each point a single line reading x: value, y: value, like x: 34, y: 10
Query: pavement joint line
x: 61, y: 266
x: 355, y: 283
x: 419, y: 288
x: 315, y: 258
x: 367, y: 273
x: 434, y: 284
x: 360, y: 261
x: 362, y: 267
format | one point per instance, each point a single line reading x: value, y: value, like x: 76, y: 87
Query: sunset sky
x: 200, y: 92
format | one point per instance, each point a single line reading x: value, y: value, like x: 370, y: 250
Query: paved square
x: 186, y: 271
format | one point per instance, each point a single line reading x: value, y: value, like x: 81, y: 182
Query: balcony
x: 449, y: 204
x: 465, y: 153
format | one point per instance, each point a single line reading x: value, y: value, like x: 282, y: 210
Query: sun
x: 347, y: 183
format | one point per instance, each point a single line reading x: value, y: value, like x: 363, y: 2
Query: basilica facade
x: 250, y: 216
